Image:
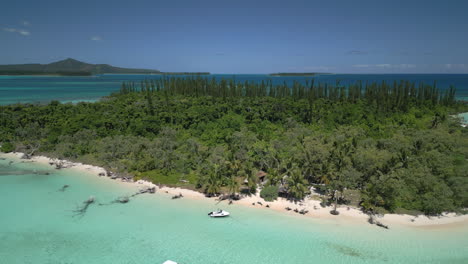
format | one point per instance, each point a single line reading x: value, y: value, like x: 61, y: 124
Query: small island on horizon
x: 183, y: 73
x: 285, y: 74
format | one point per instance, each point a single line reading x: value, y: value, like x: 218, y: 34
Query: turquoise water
x: 464, y: 117
x: 37, y: 226
x: 28, y: 89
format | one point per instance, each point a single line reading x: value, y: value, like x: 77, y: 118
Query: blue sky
x: 240, y: 36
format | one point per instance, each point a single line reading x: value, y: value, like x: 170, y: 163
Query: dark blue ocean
x: 42, y: 89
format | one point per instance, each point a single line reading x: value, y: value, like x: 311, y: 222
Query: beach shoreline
x: 315, y: 210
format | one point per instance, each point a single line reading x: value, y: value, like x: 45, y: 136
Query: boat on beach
x: 219, y: 213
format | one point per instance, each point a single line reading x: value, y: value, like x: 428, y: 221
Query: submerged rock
x: 177, y: 196
x: 64, y: 188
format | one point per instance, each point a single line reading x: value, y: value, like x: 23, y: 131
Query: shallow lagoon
x: 37, y: 225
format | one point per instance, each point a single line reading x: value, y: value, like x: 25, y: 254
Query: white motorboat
x: 169, y: 262
x: 218, y: 213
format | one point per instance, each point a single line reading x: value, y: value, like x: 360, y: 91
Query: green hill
x: 68, y: 67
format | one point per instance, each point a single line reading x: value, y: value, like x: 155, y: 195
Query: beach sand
x: 347, y: 214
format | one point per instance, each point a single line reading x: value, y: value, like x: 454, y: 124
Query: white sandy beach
x: 347, y: 214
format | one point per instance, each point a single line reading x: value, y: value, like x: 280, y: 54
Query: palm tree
x: 233, y: 186
x: 251, y: 177
x: 340, y: 159
x: 213, y: 183
x: 274, y: 179
x: 297, y: 185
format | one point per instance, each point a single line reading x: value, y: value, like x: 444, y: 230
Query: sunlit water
x: 38, y: 225
x: 43, y: 89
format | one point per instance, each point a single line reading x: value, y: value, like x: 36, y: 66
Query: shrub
x: 269, y: 193
x: 7, y: 147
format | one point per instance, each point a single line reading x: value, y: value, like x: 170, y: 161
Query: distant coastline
x: 283, y: 74
x: 68, y: 67
x: 35, y: 73
x: 181, y: 73
x: 72, y: 67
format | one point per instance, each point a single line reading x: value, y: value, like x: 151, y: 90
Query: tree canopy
x: 394, y: 144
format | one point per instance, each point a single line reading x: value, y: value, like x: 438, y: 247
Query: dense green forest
x: 384, y: 147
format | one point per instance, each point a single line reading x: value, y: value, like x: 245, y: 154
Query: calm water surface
x: 37, y: 225
x: 27, y: 89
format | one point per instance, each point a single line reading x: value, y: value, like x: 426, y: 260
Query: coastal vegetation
x: 383, y: 147
x: 269, y: 193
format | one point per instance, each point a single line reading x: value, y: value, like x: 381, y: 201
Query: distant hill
x: 68, y: 67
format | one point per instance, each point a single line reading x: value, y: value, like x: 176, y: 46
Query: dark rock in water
x: 102, y: 174
x: 381, y: 225
x: 372, y: 221
x: 82, y: 210
x: 348, y: 251
x: 177, y: 196
x: 150, y: 190
x: 64, y: 188
x: 124, y: 199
